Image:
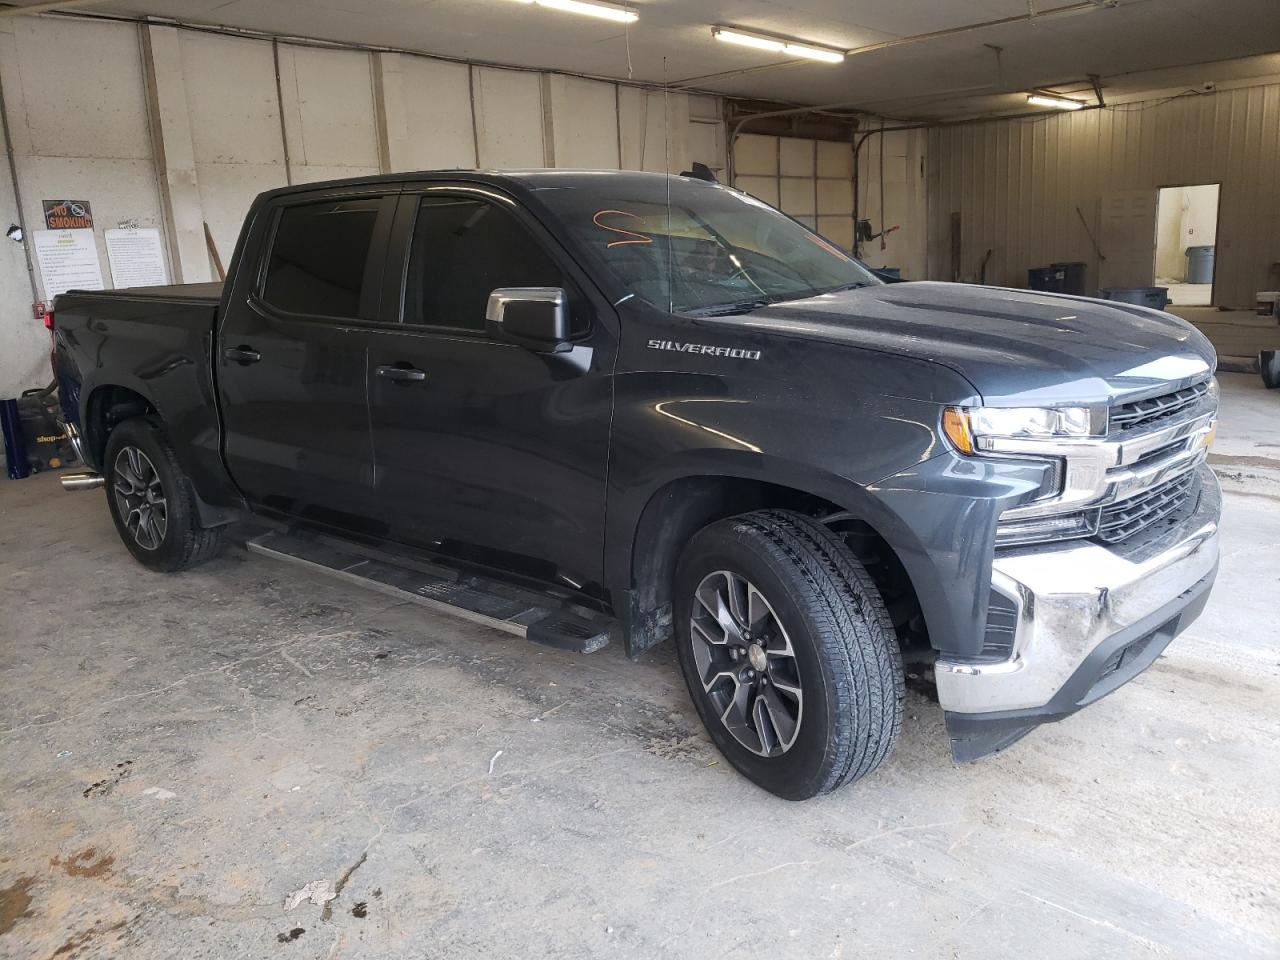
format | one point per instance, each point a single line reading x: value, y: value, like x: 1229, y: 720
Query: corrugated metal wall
x: 1016, y: 184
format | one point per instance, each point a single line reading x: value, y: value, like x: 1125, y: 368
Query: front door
x: 483, y: 449
x: 292, y: 358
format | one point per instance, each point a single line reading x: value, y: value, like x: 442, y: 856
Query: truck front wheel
x: 151, y: 500
x: 788, y: 652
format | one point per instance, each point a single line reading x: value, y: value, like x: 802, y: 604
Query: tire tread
x: 198, y: 544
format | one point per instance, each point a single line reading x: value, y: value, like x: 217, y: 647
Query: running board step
x: 523, y: 613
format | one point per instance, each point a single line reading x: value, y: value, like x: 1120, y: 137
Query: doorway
x: 1186, y: 238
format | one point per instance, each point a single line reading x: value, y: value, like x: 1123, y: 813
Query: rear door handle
x: 401, y: 374
x: 242, y: 355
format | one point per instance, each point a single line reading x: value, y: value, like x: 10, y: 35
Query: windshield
x: 714, y: 250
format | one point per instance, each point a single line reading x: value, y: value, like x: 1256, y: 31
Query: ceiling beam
x: 44, y: 7
x: 1032, y: 16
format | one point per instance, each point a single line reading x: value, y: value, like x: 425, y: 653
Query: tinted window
x: 319, y: 256
x: 463, y: 250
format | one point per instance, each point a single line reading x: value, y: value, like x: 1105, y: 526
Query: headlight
x: 972, y: 429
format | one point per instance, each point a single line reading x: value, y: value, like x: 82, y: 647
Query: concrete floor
x: 1188, y: 294
x: 181, y: 754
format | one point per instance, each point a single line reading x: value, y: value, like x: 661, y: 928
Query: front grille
x: 1122, y: 520
x: 1142, y: 412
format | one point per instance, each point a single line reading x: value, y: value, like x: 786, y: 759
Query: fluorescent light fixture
x: 590, y: 8
x: 791, y: 48
x: 814, y: 53
x: 1060, y: 103
x: 747, y: 40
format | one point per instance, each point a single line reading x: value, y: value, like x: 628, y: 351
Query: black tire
x: 846, y: 655
x: 1269, y: 366
x: 179, y: 540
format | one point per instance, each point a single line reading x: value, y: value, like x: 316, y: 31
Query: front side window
x: 693, y: 247
x: 464, y: 249
x: 319, y: 257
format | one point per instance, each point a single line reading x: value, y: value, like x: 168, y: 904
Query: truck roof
x: 529, y: 179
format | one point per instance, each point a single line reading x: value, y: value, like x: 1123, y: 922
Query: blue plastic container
x: 15, y: 443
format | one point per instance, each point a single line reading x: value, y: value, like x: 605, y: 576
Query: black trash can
x: 1045, y: 279
x: 1072, y: 279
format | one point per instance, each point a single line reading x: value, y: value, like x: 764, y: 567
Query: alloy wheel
x: 746, y: 663
x: 144, y: 510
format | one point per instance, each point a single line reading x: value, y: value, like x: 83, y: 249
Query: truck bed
x: 152, y: 342
x: 193, y: 293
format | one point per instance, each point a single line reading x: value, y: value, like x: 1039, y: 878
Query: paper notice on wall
x: 136, y: 258
x: 68, y: 261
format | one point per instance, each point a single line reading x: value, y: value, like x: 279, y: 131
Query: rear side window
x: 463, y: 250
x: 319, y: 257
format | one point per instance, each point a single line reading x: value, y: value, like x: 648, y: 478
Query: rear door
x: 292, y: 354
x: 497, y: 454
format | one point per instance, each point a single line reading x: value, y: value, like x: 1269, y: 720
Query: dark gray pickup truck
x: 584, y: 406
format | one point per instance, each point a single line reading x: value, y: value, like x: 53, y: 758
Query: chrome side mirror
x: 534, y: 317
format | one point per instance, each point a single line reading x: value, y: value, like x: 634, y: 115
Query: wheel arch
x: 684, y: 504
x: 109, y: 405
x: 105, y: 408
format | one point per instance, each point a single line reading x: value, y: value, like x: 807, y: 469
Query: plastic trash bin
x: 1045, y: 279
x: 1071, y: 279
x: 1155, y: 297
x: 1200, y: 264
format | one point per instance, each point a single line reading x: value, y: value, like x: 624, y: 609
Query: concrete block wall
x: 172, y: 128
x: 76, y: 134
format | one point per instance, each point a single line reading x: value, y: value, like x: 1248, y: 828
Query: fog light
x: 1067, y: 526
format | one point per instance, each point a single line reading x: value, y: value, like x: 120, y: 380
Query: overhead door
x: 811, y: 180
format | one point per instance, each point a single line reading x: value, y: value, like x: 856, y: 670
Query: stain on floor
x: 15, y: 903
x: 86, y: 863
x: 91, y: 937
x: 104, y: 786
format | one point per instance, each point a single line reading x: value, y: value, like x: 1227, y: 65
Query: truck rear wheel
x: 788, y: 652
x: 151, y: 500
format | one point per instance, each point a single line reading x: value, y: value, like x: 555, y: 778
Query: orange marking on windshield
x: 829, y: 247
x: 635, y: 237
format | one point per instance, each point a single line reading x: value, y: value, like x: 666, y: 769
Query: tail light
x: 48, y: 320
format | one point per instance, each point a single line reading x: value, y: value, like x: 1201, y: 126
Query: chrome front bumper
x: 1078, y: 604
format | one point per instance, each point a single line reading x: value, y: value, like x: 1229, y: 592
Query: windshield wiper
x: 728, y: 309
x: 846, y: 286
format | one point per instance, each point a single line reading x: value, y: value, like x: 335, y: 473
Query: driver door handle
x: 242, y: 355
x: 401, y: 374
